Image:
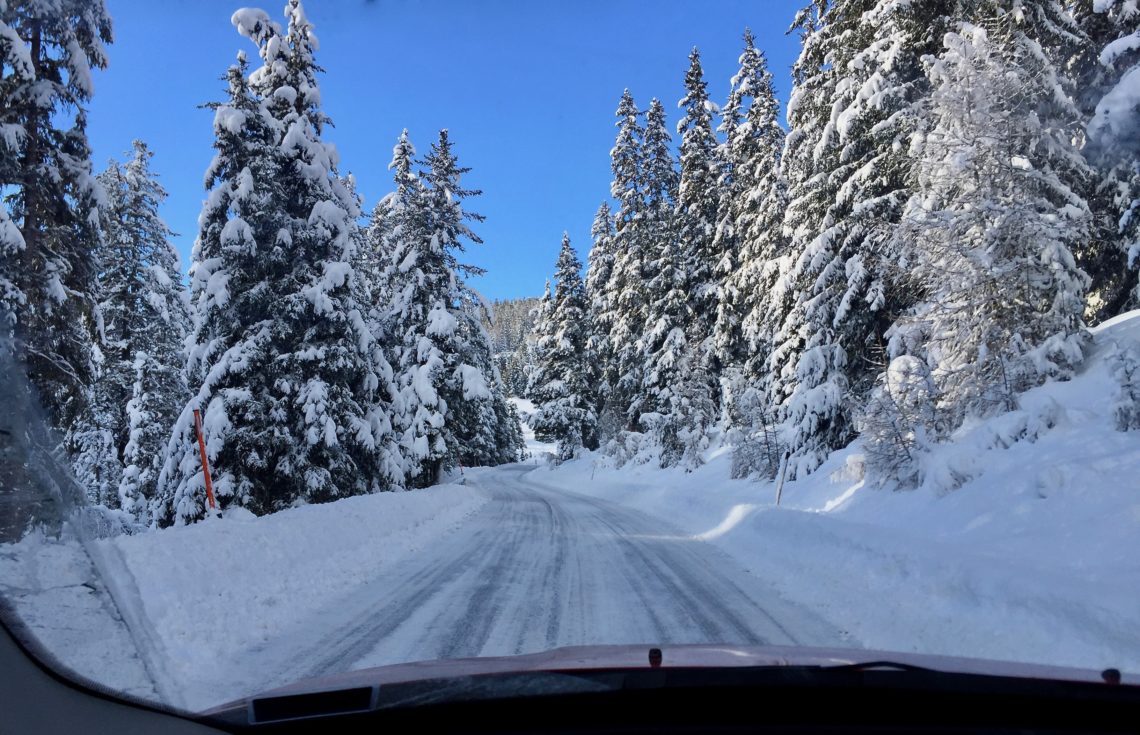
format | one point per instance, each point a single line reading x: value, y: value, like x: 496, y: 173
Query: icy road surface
x: 534, y: 569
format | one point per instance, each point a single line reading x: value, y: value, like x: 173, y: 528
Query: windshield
x: 642, y: 324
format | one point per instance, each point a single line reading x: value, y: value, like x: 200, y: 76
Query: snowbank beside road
x: 1036, y: 558
x: 217, y: 589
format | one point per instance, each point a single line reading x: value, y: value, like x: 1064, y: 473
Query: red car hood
x: 574, y: 658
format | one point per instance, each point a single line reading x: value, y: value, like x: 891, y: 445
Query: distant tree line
x: 511, y: 328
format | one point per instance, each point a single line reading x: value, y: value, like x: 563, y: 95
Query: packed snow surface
x: 215, y: 592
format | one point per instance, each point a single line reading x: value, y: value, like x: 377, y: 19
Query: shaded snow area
x: 1035, y: 559
x: 538, y: 450
x: 213, y: 594
x: 53, y: 589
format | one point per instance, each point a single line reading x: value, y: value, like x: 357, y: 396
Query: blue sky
x: 527, y: 89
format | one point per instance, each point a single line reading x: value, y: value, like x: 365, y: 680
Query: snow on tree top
x: 253, y: 22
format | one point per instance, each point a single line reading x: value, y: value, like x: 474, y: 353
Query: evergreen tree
x: 1108, y: 81
x: 49, y: 231
x: 698, y: 201
x: 859, y: 82
x: 141, y: 384
x: 600, y: 311
x: 541, y: 337
x: 992, y: 230
x: 282, y: 355
x: 449, y: 394
x: 562, y: 392
x: 668, y: 311
x: 392, y: 220
x: 685, y: 365
x: 753, y: 247
x: 900, y: 422
x: 624, y: 294
x: 485, y: 424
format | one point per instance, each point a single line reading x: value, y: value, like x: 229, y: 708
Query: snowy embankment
x: 214, y: 592
x: 1036, y: 558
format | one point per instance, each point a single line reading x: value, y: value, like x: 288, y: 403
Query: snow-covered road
x: 537, y: 568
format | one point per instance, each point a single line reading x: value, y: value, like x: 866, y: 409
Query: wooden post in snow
x: 205, y: 461
x: 783, y: 474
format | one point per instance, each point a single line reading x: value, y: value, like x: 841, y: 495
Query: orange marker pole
x: 205, y: 462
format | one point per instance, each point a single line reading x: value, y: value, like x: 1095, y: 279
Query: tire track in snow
x: 535, y: 569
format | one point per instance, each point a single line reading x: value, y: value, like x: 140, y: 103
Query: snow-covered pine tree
x: 392, y: 220
x: 600, y: 314
x: 1108, y: 91
x: 449, y: 393
x: 539, y: 338
x: 49, y: 231
x: 485, y: 424
x: 668, y: 311
x: 852, y: 112
x: 158, y: 388
x: 624, y: 294
x: 563, y: 394
x: 693, y: 370
x: 996, y: 218
x: 285, y: 369
x: 140, y: 385
x: 697, y: 204
x: 1125, y: 366
x: 418, y: 276
x: 223, y: 271
x: 899, y: 422
x: 727, y: 342
x: 751, y: 235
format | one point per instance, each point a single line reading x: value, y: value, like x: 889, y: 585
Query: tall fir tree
x: 698, y: 201
x: 600, y: 310
x: 748, y: 235
x: 695, y: 391
x: 753, y: 295
x: 668, y: 311
x: 391, y: 221
x: 540, y: 337
x: 858, y: 83
x: 449, y: 394
x: 282, y: 355
x: 992, y: 231
x: 1108, y: 80
x: 140, y: 384
x: 49, y: 232
x: 563, y: 393
x: 625, y: 292
x: 155, y: 340
x: 735, y: 154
